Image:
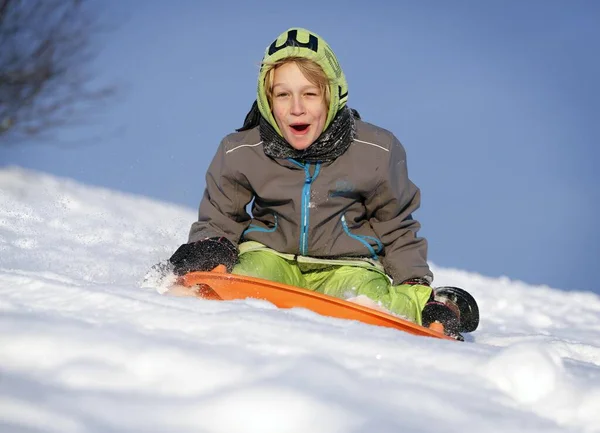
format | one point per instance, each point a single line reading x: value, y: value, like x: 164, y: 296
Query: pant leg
x: 418, y: 296
x: 269, y: 266
x: 350, y: 281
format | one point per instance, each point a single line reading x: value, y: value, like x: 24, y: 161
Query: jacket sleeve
x: 222, y: 209
x: 390, y: 208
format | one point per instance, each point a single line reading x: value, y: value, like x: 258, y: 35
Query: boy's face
x: 298, y: 106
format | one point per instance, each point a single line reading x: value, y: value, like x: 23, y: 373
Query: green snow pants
x: 339, y: 278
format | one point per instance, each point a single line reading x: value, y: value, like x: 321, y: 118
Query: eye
x: 281, y: 94
x: 312, y: 94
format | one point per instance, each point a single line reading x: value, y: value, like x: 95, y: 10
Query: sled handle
x: 437, y: 326
x: 220, y: 269
x: 202, y: 289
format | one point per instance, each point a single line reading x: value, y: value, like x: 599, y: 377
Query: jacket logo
x: 343, y: 188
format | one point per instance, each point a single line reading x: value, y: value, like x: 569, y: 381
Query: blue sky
x: 496, y: 103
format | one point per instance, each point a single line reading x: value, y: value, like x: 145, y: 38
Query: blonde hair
x: 309, y: 68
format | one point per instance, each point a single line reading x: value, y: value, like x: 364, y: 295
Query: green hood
x: 298, y: 42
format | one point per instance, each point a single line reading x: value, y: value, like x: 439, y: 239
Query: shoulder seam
x: 372, y: 144
x: 243, y: 145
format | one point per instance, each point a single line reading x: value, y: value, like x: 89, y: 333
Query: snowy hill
x: 84, y: 348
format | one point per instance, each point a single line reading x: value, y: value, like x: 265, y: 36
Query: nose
x: 297, y: 108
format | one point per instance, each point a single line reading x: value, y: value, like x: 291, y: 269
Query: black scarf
x: 331, y: 143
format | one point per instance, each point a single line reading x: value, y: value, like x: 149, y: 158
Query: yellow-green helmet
x: 298, y: 42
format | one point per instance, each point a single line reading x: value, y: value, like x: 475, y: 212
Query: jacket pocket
x: 371, y: 243
x: 262, y: 229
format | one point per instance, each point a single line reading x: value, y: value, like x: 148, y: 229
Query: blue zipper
x: 305, y: 206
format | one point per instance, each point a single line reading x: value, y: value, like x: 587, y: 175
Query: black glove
x: 204, y: 255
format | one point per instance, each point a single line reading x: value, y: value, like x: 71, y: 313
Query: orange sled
x: 218, y: 285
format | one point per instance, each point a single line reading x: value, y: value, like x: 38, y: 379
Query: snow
x: 85, y: 348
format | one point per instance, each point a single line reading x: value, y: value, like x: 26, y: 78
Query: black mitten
x: 204, y: 255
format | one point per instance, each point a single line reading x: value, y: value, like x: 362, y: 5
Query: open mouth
x: 300, y: 128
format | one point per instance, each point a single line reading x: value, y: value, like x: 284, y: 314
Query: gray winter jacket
x: 359, y: 205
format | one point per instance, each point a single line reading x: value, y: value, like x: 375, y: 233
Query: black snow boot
x: 454, y: 308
